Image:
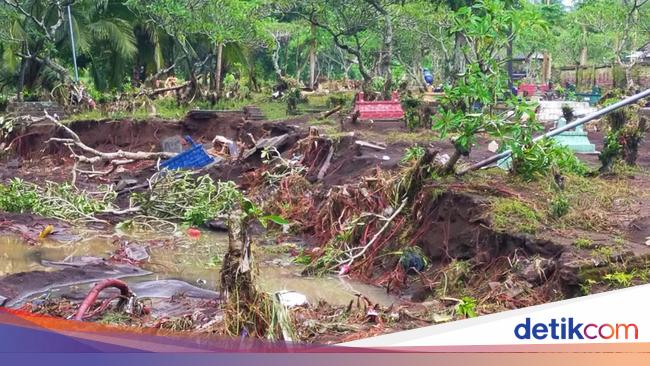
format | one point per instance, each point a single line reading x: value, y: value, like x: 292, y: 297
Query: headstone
x: 253, y: 113
x: 172, y: 144
x: 378, y: 109
x: 576, y: 140
x: 551, y: 110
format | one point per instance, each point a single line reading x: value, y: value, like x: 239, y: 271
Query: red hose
x: 125, y: 292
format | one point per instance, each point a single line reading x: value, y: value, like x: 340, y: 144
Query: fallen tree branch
x: 115, y: 158
x: 155, y: 92
x: 330, y: 112
x: 377, y: 235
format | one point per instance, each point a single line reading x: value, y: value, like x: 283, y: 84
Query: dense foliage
x: 125, y: 43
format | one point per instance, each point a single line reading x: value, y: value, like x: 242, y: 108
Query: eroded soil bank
x: 433, y: 249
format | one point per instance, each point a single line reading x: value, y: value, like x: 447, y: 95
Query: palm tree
x: 40, y: 42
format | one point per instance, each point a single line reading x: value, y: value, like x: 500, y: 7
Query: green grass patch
x: 584, y: 203
x: 168, y: 108
x: 514, y: 216
x: 583, y: 243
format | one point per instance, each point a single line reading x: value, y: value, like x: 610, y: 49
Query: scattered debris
x: 126, y: 297
x: 369, y: 145
x: 291, y: 299
x: 115, y: 159
x: 172, y: 144
x: 272, y: 142
x: 136, y: 252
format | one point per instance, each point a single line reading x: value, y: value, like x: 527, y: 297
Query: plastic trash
x: 193, y: 158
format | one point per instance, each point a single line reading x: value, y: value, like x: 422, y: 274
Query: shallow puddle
x: 196, y: 262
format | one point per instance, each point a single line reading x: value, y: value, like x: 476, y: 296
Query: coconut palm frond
x: 118, y: 33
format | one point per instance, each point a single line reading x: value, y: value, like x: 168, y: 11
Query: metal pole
x: 74, y: 51
x: 567, y: 127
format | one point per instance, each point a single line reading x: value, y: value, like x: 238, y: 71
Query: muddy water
x: 194, y: 261
x: 18, y: 256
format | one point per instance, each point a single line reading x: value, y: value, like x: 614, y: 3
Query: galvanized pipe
x: 567, y: 127
x: 73, y: 46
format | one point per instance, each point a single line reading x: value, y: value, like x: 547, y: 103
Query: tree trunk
x: 312, y: 58
x: 546, y: 68
x: 448, y: 168
x: 236, y: 272
x: 583, y: 51
x: 217, y: 74
x: 546, y: 63
x: 24, y: 62
x: 459, y: 57
x: 275, y: 58
x: 387, y: 56
x: 628, y: 77
x: 510, y: 68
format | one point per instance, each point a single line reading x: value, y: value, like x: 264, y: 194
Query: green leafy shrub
x: 181, y: 196
x: 411, y: 107
x: 626, y: 131
x: 536, y: 159
x: 620, y: 279
x: 467, y: 307
x: 293, y: 98
x: 559, y: 207
x: 413, y: 153
x: 583, y: 243
x: 337, y: 99
x: 62, y: 201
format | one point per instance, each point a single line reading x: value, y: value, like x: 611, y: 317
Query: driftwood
x: 236, y: 276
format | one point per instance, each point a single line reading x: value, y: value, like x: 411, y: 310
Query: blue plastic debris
x: 193, y: 158
x: 412, y: 260
x: 428, y: 77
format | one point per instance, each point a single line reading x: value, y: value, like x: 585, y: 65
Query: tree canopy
x: 382, y: 43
